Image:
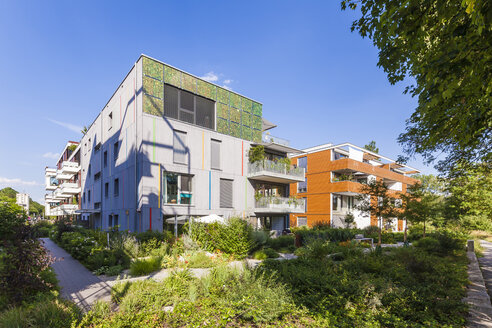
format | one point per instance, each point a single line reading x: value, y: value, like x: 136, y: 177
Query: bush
x: 260, y: 255
x: 270, y: 253
x: 200, y: 260
x: 281, y: 242
x: 235, y: 237
x: 326, y: 234
x: 46, y: 312
x: 145, y: 266
x: 42, y: 229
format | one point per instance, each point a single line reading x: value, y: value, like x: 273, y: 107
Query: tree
x: 418, y: 205
x: 349, y: 220
x: 256, y: 154
x: 444, y: 46
x: 84, y: 130
x: 372, y: 147
x: 376, y: 200
x: 470, y: 196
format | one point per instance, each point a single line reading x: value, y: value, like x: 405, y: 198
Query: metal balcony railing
x: 275, y: 167
x: 281, y: 203
x: 276, y: 140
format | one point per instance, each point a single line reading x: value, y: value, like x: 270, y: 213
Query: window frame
x: 116, y: 187
x: 219, y: 143
x: 179, y: 191
x: 176, y: 135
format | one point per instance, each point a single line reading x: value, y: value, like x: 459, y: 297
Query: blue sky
x: 61, y: 61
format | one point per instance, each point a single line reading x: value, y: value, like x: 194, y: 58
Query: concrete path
x: 486, y: 265
x: 77, y: 283
x: 480, y: 314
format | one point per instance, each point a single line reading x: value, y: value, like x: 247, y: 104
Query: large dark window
x: 187, y: 107
x: 177, y: 188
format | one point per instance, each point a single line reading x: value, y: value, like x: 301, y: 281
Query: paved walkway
x: 486, y: 265
x: 77, y: 283
x: 480, y: 314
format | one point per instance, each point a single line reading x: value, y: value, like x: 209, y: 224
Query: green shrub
x: 200, y: 260
x: 270, y: 253
x: 235, y: 237
x: 326, y: 234
x: 42, y: 229
x: 46, y: 312
x: 281, y: 242
x: 145, y: 266
x: 260, y: 255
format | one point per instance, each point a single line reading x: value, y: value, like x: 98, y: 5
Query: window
x: 215, y: 154
x: 185, y: 106
x: 179, y: 147
x: 88, y: 196
x: 336, y: 203
x: 305, y: 205
x: 338, y: 155
x: 89, y: 171
x: 350, y: 202
x: 115, y: 221
x: 302, y: 162
x: 110, y: 220
x: 106, y: 189
x: 115, y: 150
x: 105, y: 158
x: 97, y: 147
x: 110, y: 121
x: 97, y: 176
x: 226, y: 193
x: 116, y: 186
x: 83, y: 198
x: 97, y: 205
x: 302, y: 186
x: 177, y: 188
x: 301, y: 221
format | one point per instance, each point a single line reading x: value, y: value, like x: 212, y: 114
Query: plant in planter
x: 256, y: 154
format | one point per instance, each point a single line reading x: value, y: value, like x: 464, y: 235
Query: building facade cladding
x: 144, y: 137
x: 322, y: 187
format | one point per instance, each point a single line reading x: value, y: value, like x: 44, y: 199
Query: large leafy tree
x: 445, y: 47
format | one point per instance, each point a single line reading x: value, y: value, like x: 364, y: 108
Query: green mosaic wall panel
x: 246, y: 104
x: 223, y: 96
x: 153, y: 87
x: 172, y: 76
x: 153, y: 106
x: 235, y: 130
x: 235, y: 100
x: 256, y: 136
x: 188, y: 83
x: 222, y: 111
x: 222, y: 126
x: 257, y: 110
x: 245, y: 118
x: 256, y: 122
x: 246, y: 132
x: 152, y: 68
x: 235, y: 115
x: 206, y: 89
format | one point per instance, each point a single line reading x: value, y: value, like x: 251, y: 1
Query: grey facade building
x: 169, y: 144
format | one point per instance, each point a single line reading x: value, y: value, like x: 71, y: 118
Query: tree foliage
x: 445, y: 47
x: 372, y: 147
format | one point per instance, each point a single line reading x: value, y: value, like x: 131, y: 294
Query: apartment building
x: 334, y: 174
x: 62, y: 183
x: 171, y: 145
x: 22, y: 200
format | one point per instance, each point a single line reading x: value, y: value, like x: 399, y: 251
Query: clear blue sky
x: 61, y: 61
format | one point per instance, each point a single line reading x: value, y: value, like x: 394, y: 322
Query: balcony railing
x: 270, y: 171
x: 280, y: 205
x: 70, y: 188
x: 276, y: 140
x: 64, y: 209
x: 70, y: 167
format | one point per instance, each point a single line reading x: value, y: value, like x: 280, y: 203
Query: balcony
x: 60, y: 175
x: 64, y: 209
x: 70, y: 188
x: 275, y: 172
x: 70, y: 168
x: 281, y: 205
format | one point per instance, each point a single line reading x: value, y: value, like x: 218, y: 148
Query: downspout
x: 135, y: 123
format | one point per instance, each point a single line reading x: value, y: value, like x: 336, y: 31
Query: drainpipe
x: 135, y: 123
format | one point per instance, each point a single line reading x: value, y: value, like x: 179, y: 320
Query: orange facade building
x: 334, y: 174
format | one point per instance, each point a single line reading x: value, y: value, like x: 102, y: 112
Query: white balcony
x: 70, y: 168
x: 60, y: 175
x: 51, y: 187
x: 279, y: 205
x: 271, y: 171
x: 59, y: 194
x: 64, y: 209
x: 49, y: 172
x: 70, y: 188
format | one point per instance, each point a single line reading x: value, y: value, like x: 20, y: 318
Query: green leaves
x: 444, y: 46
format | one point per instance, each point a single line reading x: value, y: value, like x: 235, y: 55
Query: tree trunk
x: 424, y: 229
x: 380, y: 231
x: 405, y: 232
